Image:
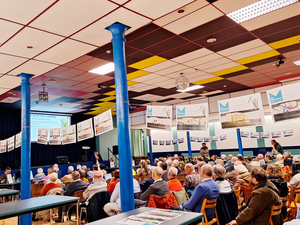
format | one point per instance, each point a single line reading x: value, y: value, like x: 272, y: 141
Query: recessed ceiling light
x: 191, y: 88
x: 107, y: 68
x: 288, y: 74
x: 224, y: 86
x: 297, y: 63
x: 211, y: 40
x: 10, y: 92
x: 52, y: 81
x: 180, y: 11
x: 258, y: 8
x: 29, y: 46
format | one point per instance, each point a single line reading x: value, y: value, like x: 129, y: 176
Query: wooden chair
x: 292, y: 203
x: 247, y: 192
x: 37, y: 189
x: 90, y: 180
x: 136, y: 177
x: 284, y: 201
x: 288, y: 176
x: 108, y: 181
x: 237, y: 194
x: 208, y: 204
x: 67, y: 184
x: 275, y: 210
x: 78, y: 194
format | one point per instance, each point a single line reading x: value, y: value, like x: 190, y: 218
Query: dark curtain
x: 10, y: 124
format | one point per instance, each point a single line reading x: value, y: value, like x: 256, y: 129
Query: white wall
x: 162, y: 135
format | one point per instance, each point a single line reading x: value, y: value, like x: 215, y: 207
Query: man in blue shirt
x: 207, y: 189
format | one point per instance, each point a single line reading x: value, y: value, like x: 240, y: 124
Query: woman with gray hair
x: 39, y: 177
x: 218, y: 176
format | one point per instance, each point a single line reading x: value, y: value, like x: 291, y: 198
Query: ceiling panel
x: 160, y: 66
x: 192, y: 55
x: 67, y: 74
x: 205, y: 59
x: 8, y: 29
x: 221, y: 67
x: 251, y: 52
x: 172, y: 69
x: 8, y: 62
x: 7, y: 81
x: 228, y: 6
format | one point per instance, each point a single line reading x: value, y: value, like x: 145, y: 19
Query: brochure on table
x: 103, y: 123
x: 55, y: 136
x: 85, y: 130
x: 192, y: 117
x: 69, y: 134
x: 42, y: 137
x: 241, y: 111
x: 159, y: 117
x: 284, y: 102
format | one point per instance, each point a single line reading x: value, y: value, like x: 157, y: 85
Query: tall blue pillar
x: 126, y: 176
x: 25, y: 146
x: 150, y: 150
x: 188, y: 139
x: 238, y: 133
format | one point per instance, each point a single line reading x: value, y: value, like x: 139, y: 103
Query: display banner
x: 174, y: 141
x: 161, y: 142
x: 276, y: 134
x: 159, y: 117
x: 42, y: 137
x: 264, y: 135
x: 284, y: 102
x: 192, y: 117
x: 103, y: 123
x: 3, y: 146
x: 206, y: 139
x: 55, y: 136
x: 245, y: 134
x: 288, y: 133
x: 223, y: 137
x: 214, y: 138
x: 193, y: 139
x: 69, y: 135
x: 254, y: 135
x: 180, y: 140
x: 11, y: 143
x: 18, y: 140
x: 200, y: 139
x: 155, y: 142
x: 241, y: 111
x: 168, y: 142
x: 85, y: 130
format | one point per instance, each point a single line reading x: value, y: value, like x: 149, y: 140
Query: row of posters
x: 11, y: 143
x: 264, y: 135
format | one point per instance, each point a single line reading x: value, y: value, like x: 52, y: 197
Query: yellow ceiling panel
x: 136, y: 74
x: 107, y: 99
x: 129, y: 83
x: 104, y: 104
x: 209, y: 80
x: 110, y: 93
x: 285, y: 42
x: 229, y: 70
x: 258, y: 57
x: 148, y: 62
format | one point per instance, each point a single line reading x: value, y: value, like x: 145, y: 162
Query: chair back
x: 275, y: 210
x: 237, y: 194
x: 67, y: 184
x: 294, y: 196
x: 37, y: 189
x: 95, y: 206
x: 90, y: 180
x: 136, y: 177
x: 79, y: 194
x: 209, y: 204
x: 288, y: 176
x: 181, y: 178
x: 247, y: 192
x: 108, y: 181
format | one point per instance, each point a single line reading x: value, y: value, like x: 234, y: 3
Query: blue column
x: 238, y: 132
x: 188, y: 139
x: 126, y: 176
x: 150, y: 150
x: 25, y: 146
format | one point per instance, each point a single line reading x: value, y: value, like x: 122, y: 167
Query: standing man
x: 204, y: 151
x: 276, y: 148
x: 95, y: 157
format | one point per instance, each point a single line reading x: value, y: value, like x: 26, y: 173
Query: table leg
x: 51, y: 216
x: 203, y: 220
x: 77, y: 212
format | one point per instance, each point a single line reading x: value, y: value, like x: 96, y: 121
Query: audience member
x: 53, y: 177
x: 224, y: 158
x: 249, y: 160
x: 49, y: 171
x: 218, y: 176
x: 268, y: 160
x: 56, y: 169
x: 174, y: 184
x: 39, y: 177
x: 211, y: 163
x: 143, y: 171
x: 279, y: 160
x: 231, y: 166
x: 295, y: 180
x: 204, y: 151
x: 192, y: 179
x: 3, y: 177
x: 169, y: 163
x: 231, y: 176
x: 164, y: 167
x: 243, y: 177
x: 175, y: 157
x: 220, y: 162
x: 181, y: 161
x: 99, y: 185
x: 68, y: 178
x: 57, y: 181
x: 287, y: 159
x: 261, y: 160
x: 78, y: 167
x: 242, y: 160
x: 176, y: 165
x: 159, y: 188
x: 263, y: 197
x: 91, y: 173
x: 228, y: 163
x: 296, y: 158
x: 276, y: 148
x: 190, y: 160
x: 82, y: 173
x: 113, y: 182
x: 255, y: 164
x: 145, y: 185
x: 76, y: 185
x: 17, y: 175
x: 155, y: 161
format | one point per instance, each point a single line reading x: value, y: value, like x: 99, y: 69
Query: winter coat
x: 162, y: 202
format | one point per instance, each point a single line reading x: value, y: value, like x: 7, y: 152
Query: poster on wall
x: 223, y: 137
x: 161, y: 142
x: 200, y: 139
x: 18, y: 140
x: 284, y: 102
x: 288, y: 133
x: 180, y: 140
x: 69, y: 135
x: 42, y: 137
x: 103, y: 123
x: 3, y: 146
x: 11, y: 143
x: 159, y: 117
x: 264, y: 135
x: 206, y: 139
x: 168, y: 142
x: 85, y: 130
x: 245, y: 134
x: 214, y: 138
x: 193, y: 139
x: 276, y: 134
x: 254, y: 135
x: 241, y: 111
x: 192, y: 117
x: 155, y: 142
x: 55, y: 136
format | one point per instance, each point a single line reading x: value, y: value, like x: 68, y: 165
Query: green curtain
x: 137, y: 147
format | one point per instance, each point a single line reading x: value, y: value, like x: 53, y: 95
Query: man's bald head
x: 206, y: 171
x: 98, y: 175
x: 75, y: 175
x: 157, y: 173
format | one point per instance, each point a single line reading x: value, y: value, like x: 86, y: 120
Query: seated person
x: 18, y: 174
x: 113, y: 182
x: 102, y: 168
x: 49, y: 171
x: 39, y: 177
x: 174, y: 184
x: 48, y: 181
x: 90, y: 174
x: 98, y: 186
x: 68, y: 178
x: 207, y: 189
x: 164, y: 167
x: 268, y: 160
x: 145, y: 185
x: 176, y: 165
x: 193, y: 179
x: 228, y: 163
x: 82, y: 175
x: 264, y: 196
x: 231, y: 166
x: 56, y: 168
x: 115, y: 200
x: 218, y: 176
x: 159, y: 187
x: 261, y: 160
x: 295, y: 181
x: 53, y: 184
x: 287, y: 159
x: 143, y: 171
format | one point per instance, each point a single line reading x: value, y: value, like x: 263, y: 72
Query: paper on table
x: 9, y: 179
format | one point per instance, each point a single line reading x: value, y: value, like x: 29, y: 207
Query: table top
x: 23, y: 207
x: 187, y: 218
x: 7, y: 192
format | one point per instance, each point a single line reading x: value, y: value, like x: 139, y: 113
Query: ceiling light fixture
x: 182, y: 82
x: 211, y: 40
x: 107, y: 68
x: 43, y: 95
x: 180, y: 11
x: 52, y: 81
x: 258, y: 9
x: 191, y: 88
x: 29, y: 47
x: 297, y: 63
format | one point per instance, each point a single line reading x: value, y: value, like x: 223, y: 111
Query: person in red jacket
x: 174, y: 184
x: 52, y: 185
x: 111, y: 186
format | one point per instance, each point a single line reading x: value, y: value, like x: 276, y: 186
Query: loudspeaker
x: 115, y: 150
x: 62, y: 159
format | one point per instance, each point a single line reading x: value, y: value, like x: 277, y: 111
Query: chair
x: 275, y: 210
x: 209, y: 204
x: 80, y: 195
x: 181, y: 196
x: 95, y: 207
x: 237, y: 194
x: 67, y: 184
x: 227, y: 207
x: 37, y: 189
x: 90, y: 180
x: 108, y: 181
x: 288, y: 176
x: 247, y: 192
x: 165, y: 202
x: 292, y: 200
x: 136, y: 177
x: 181, y: 178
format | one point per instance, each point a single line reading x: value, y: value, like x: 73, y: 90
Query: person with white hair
x: 296, y: 158
x: 174, y: 184
x: 155, y: 161
x: 255, y: 164
x: 98, y: 186
x: 169, y: 163
x: 53, y: 177
x: 68, y: 178
x: 56, y: 169
x: 224, y: 158
x: 279, y: 160
x: 193, y: 179
x: 243, y: 177
x: 145, y: 185
x: 228, y: 163
x: 176, y: 165
x: 218, y: 176
x: 39, y: 177
x: 261, y: 160
x: 231, y: 166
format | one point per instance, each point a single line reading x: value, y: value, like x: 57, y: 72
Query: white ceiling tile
x: 181, y: 95
x: 242, y: 47
x: 7, y: 29
x: 136, y: 86
x: 228, y: 6
x: 272, y: 17
x: 160, y: 66
x: 155, y: 8
x: 96, y: 33
x: 10, y: 100
x: 3, y: 90
x: 22, y: 11
x: 213, y: 63
x: 192, y: 55
x: 203, y: 60
x: 65, y: 15
x: 146, y: 77
x: 212, y: 92
x: 157, y: 81
x: 120, y: 1
x: 143, y: 88
x: 7, y: 81
x: 191, y: 71
x: 172, y: 69
x: 194, y: 79
x: 175, y: 15
x: 8, y: 62
x: 221, y: 67
x: 65, y: 52
x: 39, y: 40
x: 148, y: 97
x: 251, y: 52
x: 204, y: 77
x: 34, y: 67
x: 194, y: 19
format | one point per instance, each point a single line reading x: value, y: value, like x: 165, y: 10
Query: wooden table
x: 32, y: 205
x: 189, y: 218
x: 8, y: 192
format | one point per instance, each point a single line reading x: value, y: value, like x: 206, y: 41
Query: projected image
x: 286, y: 110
